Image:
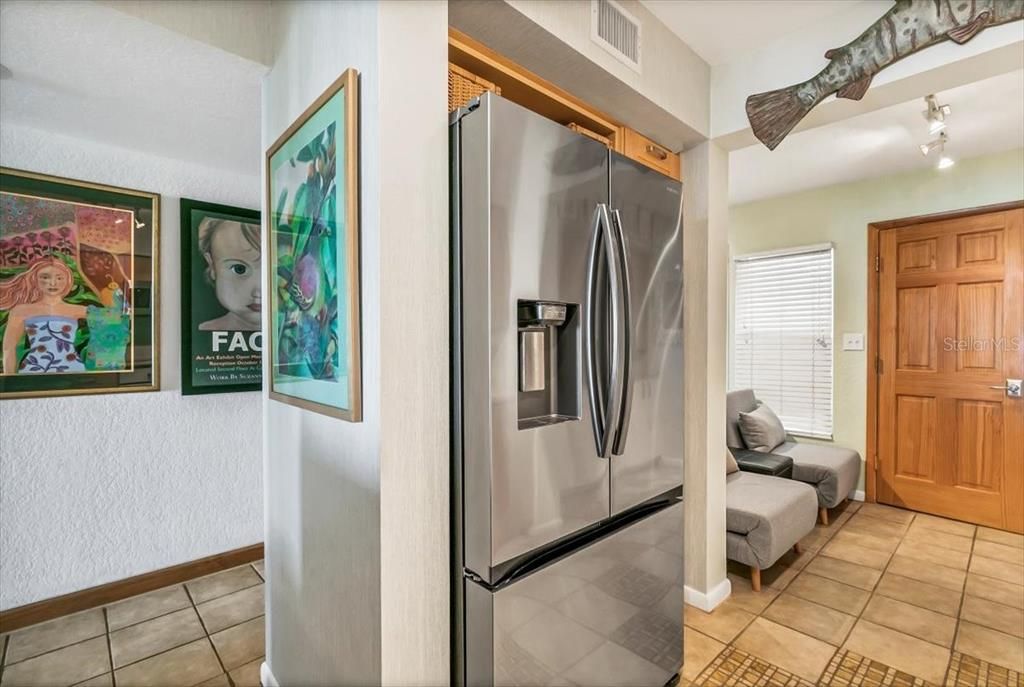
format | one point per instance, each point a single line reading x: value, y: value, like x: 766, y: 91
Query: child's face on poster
x: 236, y: 268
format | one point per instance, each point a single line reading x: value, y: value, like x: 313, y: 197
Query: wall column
x: 705, y: 312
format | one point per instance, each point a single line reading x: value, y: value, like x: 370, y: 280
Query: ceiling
x: 95, y: 73
x: 720, y: 30
x: 987, y: 117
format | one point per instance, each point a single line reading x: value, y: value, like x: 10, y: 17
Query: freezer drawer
x: 609, y: 614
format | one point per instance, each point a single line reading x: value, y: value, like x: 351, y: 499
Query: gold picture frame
x: 312, y: 194
x: 98, y: 233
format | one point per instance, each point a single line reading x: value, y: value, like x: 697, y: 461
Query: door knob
x: 1012, y: 387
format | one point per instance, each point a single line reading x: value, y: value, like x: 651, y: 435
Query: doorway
x: 946, y: 334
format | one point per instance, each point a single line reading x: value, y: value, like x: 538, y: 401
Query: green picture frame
x: 312, y: 197
x: 221, y: 298
x: 79, y: 287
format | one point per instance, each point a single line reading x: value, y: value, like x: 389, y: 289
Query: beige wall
x: 840, y: 214
x: 666, y: 100
x: 357, y: 513
x: 683, y: 90
x: 705, y: 259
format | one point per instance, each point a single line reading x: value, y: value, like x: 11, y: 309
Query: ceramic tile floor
x: 206, y: 632
x: 881, y: 596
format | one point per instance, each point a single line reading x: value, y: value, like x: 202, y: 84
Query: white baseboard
x: 857, y: 495
x: 267, y: 678
x: 707, y: 602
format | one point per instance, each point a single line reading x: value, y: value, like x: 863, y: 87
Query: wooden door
x: 950, y: 334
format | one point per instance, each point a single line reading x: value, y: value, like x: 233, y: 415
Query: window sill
x: 809, y: 435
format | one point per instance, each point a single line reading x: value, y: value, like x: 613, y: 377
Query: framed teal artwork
x: 312, y: 178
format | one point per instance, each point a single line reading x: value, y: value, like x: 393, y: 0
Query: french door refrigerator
x: 567, y: 437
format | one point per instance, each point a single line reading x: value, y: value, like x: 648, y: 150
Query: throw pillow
x: 761, y: 429
x: 730, y: 463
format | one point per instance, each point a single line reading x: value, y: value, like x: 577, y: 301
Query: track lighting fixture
x: 935, y: 114
x: 937, y: 144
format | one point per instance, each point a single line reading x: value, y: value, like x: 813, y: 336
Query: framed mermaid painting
x: 312, y: 178
x: 78, y: 287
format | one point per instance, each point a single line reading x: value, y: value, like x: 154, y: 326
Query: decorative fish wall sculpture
x: 910, y: 25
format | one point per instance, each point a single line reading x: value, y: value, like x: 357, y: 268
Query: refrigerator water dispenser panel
x: 549, y: 376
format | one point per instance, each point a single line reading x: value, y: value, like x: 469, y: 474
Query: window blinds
x: 782, y: 335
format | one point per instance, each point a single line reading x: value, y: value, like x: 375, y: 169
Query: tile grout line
x: 963, y: 591
x: 103, y: 607
x: 176, y: 610
x: 3, y: 656
x: 110, y: 648
x: 209, y: 639
x: 59, y: 648
x: 963, y: 600
x: 870, y: 593
x: 873, y: 592
x: 170, y: 649
x: 157, y: 617
x: 781, y: 591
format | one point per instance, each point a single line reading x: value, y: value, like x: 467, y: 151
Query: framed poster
x: 221, y: 298
x: 78, y: 287
x: 313, y: 266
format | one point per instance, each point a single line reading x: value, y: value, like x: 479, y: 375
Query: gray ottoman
x: 832, y: 470
x: 765, y: 517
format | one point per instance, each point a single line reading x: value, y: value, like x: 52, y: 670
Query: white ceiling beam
x: 241, y: 27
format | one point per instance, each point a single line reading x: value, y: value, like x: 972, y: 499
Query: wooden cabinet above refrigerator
x: 474, y: 68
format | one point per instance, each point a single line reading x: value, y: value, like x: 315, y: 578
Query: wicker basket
x: 463, y: 86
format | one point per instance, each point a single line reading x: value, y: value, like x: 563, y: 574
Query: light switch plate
x: 853, y: 342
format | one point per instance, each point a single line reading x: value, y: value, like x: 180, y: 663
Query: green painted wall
x: 840, y: 214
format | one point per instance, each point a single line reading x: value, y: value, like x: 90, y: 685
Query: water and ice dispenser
x: 549, y: 370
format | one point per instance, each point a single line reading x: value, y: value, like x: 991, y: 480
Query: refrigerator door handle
x: 625, y: 326
x: 603, y: 411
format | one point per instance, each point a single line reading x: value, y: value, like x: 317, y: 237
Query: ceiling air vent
x: 616, y: 30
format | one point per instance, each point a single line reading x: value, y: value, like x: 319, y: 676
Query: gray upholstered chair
x: 764, y: 518
x: 833, y: 471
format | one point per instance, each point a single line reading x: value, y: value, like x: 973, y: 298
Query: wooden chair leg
x: 755, y: 578
x: 823, y: 515
x: 797, y: 549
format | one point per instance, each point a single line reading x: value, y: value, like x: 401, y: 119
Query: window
x: 782, y: 335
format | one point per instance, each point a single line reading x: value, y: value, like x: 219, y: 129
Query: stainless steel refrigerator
x: 567, y: 405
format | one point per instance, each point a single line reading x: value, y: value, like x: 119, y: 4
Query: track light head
x: 936, y: 144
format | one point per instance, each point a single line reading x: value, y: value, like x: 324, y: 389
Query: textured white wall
x: 98, y: 488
